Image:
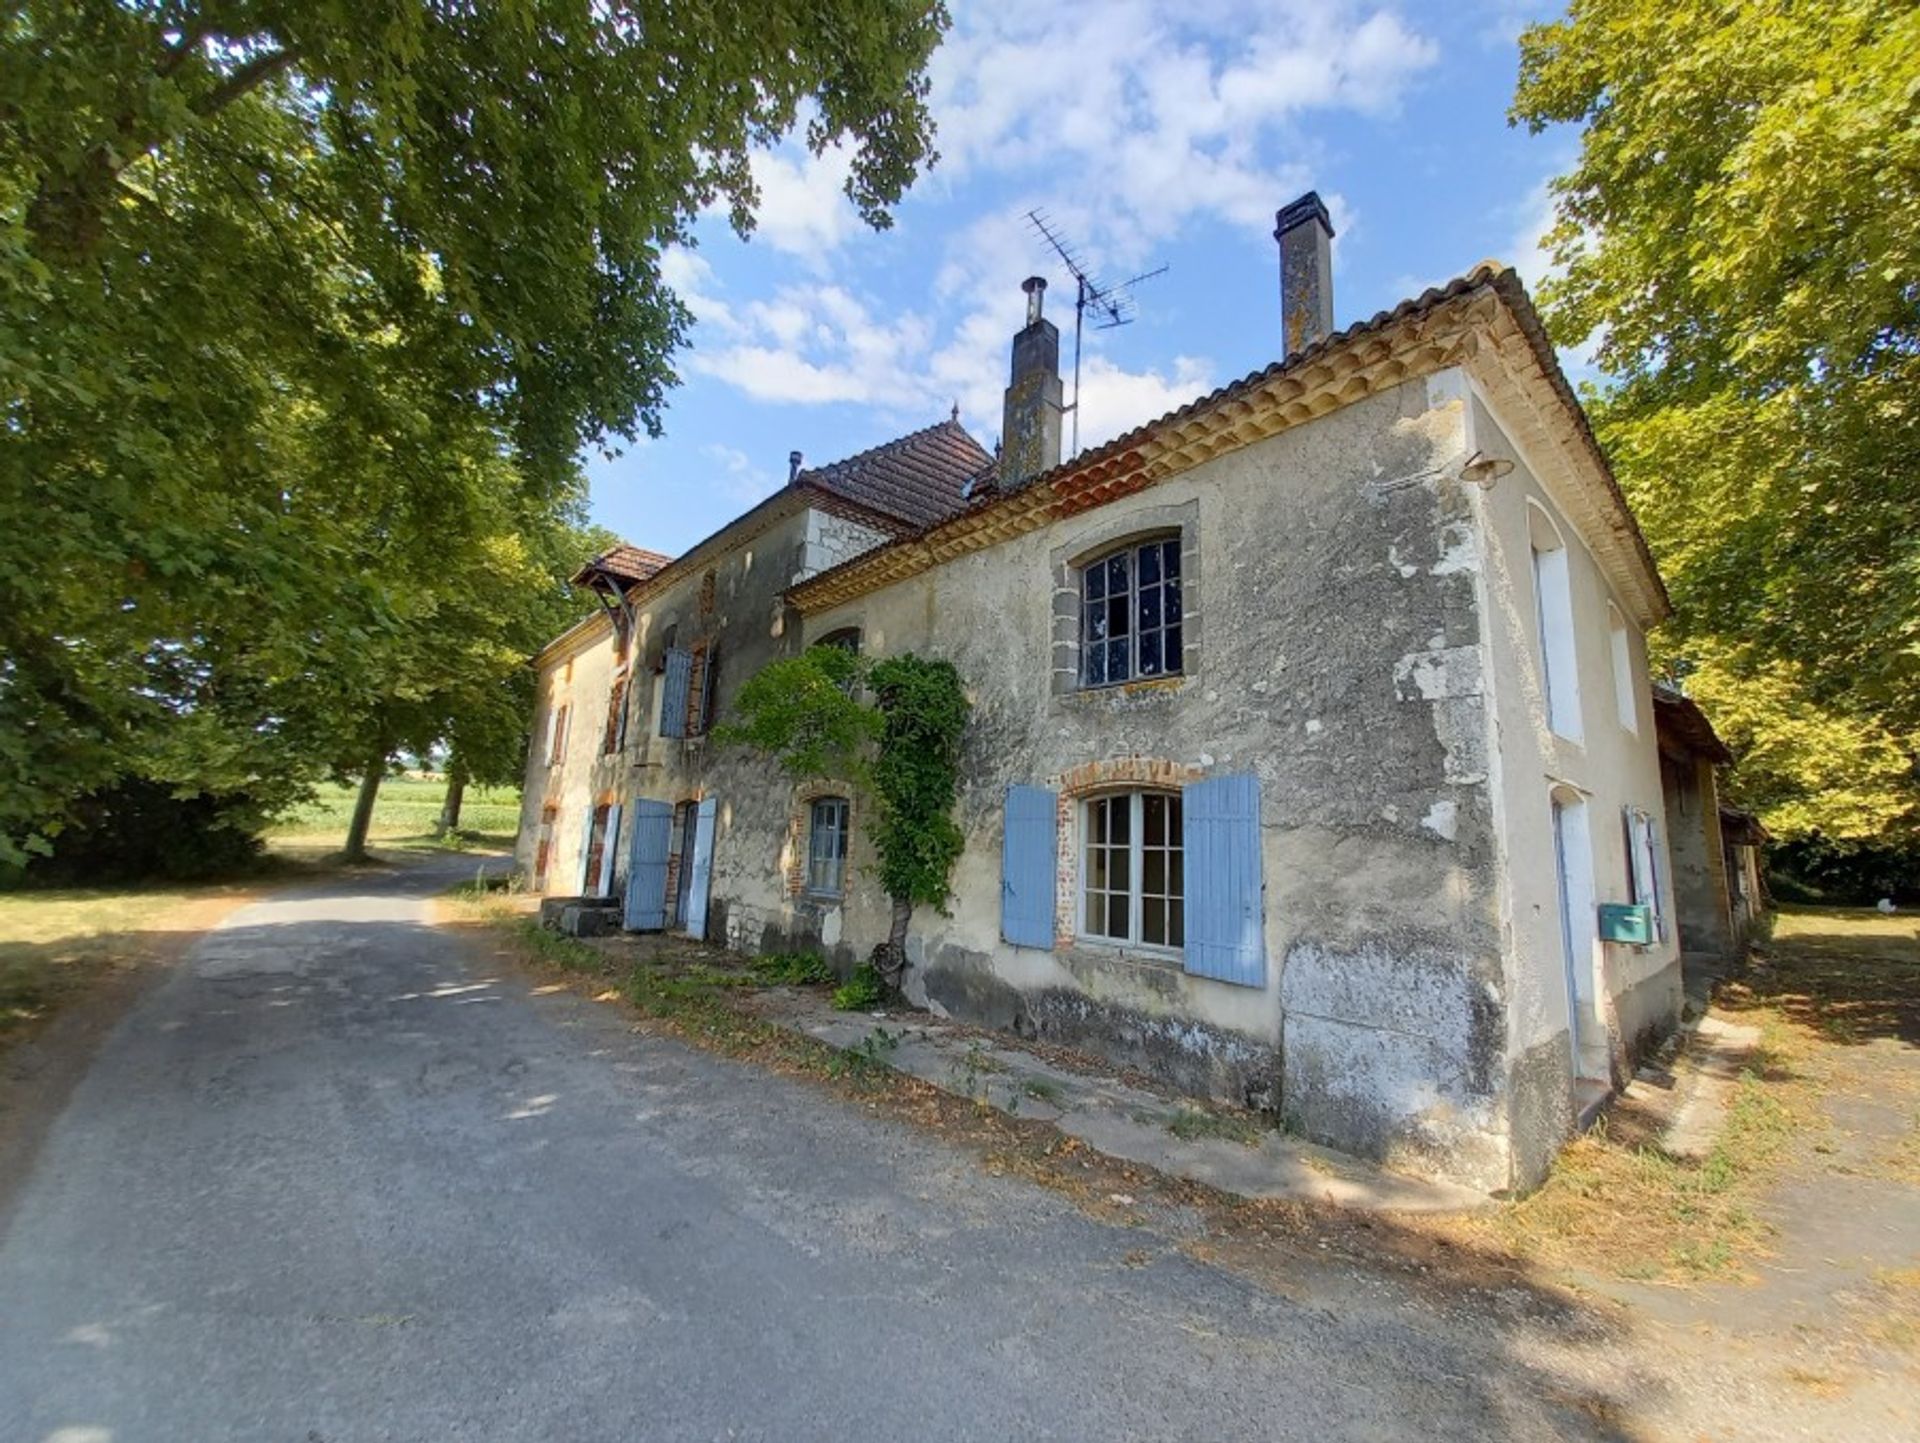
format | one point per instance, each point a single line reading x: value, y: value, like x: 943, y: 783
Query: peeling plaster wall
x: 1333, y: 650
x: 1702, y: 901
x: 744, y: 615
x: 580, y: 676
x: 1635, y: 992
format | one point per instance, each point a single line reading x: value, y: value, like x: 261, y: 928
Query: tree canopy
x: 1741, y: 238
x: 307, y: 310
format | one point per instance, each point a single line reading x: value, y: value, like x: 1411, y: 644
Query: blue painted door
x: 701, y: 875
x: 1028, y: 860
x: 1225, y: 932
x: 651, y: 834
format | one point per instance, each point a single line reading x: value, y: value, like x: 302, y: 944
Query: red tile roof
x: 922, y: 477
x: 624, y: 563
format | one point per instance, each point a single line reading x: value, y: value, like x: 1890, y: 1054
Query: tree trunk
x: 456, y: 794
x: 890, y: 957
x: 356, y: 849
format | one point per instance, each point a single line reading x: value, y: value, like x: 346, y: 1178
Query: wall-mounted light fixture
x: 1483, y: 470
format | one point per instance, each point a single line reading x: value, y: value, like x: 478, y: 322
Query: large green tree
x: 1741, y: 237
x: 304, y: 303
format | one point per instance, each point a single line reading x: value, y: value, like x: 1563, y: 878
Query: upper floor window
x: 1132, y: 872
x: 557, y: 734
x: 827, y: 847
x: 1620, y: 640
x: 847, y: 638
x: 1130, y: 614
x: 1553, y: 608
x: 616, y: 736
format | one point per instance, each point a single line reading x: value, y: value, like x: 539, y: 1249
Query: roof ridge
x: 944, y: 423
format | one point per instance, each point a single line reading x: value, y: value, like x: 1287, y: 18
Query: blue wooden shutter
x: 702, y: 877
x: 673, y: 695
x: 651, y: 836
x: 586, y: 852
x: 1028, y: 852
x: 1224, y: 925
x: 609, y: 853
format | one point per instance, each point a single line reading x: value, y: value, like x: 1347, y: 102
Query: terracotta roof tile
x: 625, y: 563
x: 922, y: 477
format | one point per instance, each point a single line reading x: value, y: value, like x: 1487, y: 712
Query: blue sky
x: 1153, y: 132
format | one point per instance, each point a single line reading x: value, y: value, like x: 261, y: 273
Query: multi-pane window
x: 827, y: 847
x: 1133, y: 882
x: 1130, y: 613
x: 557, y: 735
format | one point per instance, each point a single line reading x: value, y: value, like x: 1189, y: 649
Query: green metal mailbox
x: 1626, y: 922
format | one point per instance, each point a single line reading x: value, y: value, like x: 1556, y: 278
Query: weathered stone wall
x: 1333, y: 651
x: 1700, y: 887
x: 578, y: 675
x: 731, y: 603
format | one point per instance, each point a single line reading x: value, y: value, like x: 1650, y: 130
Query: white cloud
x: 1149, y: 111
x: 812, y: 345
x: 1530, y: 258
x: 803, y: 208
x: 1114, y: 400
x: 743, y: 481
x: 1527, y: 251
x: 1127, y: 121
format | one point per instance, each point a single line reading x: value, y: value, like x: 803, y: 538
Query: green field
x: 406, y: 811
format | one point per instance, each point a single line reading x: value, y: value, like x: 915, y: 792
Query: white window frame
x: 1136, y: 871
x: 1553, y: 624
x: 841, y: 832
x: 1626, y: 697
x: 558, y: 726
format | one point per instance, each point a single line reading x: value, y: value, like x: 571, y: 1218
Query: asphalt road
x: 334, y: 1181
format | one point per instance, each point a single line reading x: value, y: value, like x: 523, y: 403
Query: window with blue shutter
x: 1224, y: 938
x: 1027, y: 864
x: 678, y: 676
x: 651, y: 834
x: 588, y: 861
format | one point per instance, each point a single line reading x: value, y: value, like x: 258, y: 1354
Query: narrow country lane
x: 333, y: 1181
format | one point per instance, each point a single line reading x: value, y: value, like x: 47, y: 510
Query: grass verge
x: 1828, y: 983
x: 59, y: 943
x: 403, y: 818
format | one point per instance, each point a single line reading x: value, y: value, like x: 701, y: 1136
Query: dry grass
x: 1622, y: 1205
x: 55, y: 944
x: 1831, y: 980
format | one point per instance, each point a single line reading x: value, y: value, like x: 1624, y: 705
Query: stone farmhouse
x: 1313, y: 762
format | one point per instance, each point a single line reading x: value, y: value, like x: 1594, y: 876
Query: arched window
x: 847, y: 638
x: 1130, y: 614
x: 827, y: 829
x: 1553, y: 607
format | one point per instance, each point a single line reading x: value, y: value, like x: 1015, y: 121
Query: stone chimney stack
x: 1305, y: 233
x: 1030, y: 426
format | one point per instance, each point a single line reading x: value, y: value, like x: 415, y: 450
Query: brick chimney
x: 1305, y: 233
x: 1030, y: 425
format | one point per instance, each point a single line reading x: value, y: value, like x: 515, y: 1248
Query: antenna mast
x: 1113, y: 305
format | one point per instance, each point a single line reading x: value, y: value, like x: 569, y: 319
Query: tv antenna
x: 1112, y: 305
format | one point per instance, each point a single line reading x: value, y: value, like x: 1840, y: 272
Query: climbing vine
x: 903, y: 745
